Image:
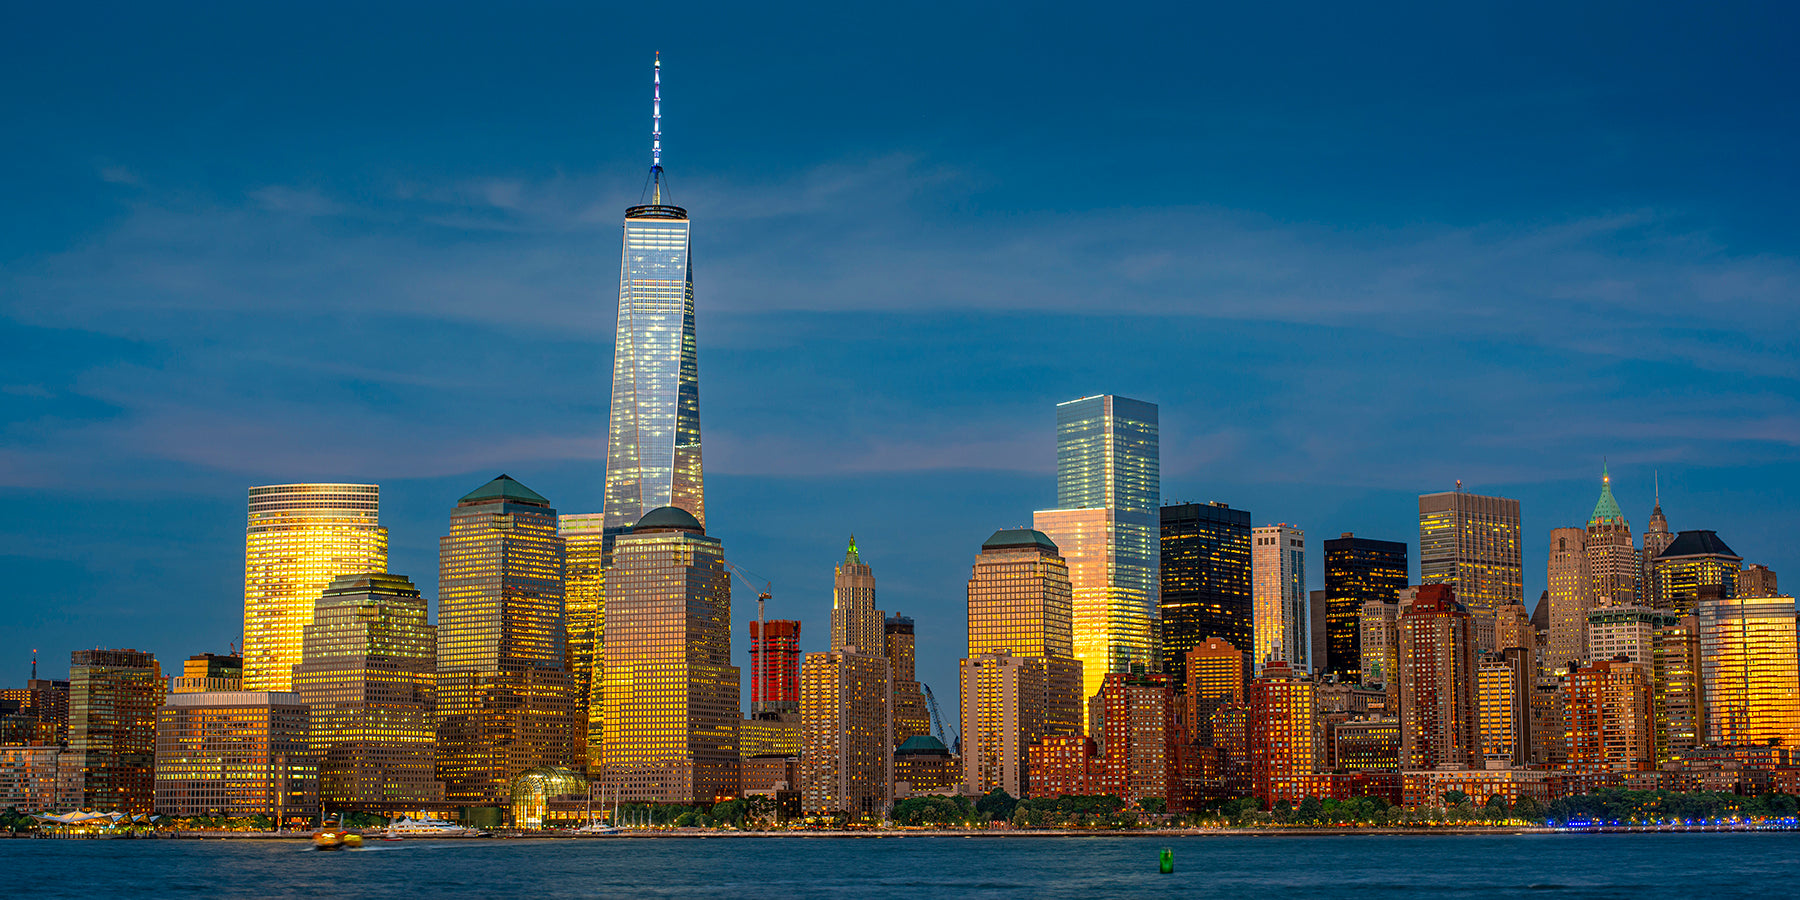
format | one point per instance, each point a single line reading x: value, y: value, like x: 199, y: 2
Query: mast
x: 656, y: 132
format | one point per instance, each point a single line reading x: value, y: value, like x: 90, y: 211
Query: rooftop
x: 504, y: 488
x: 668, y: 518
x: 1014, y: 538
x: 1697, y: 543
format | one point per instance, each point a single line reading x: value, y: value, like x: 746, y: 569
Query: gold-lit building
x: 1368, y: 743
x: 1695, y: 560
x: 209, y: 672
x: 1215, y: 677
x: 1438, y: 725
x: 1108, y: 524
x: 670, y: 690
x: 1757, y: 581
x: 923, y: 765
x: 1140, y: 737
x: 1285, y: 740
x: 1471, y: 543
x: 855, y: 622
x: 1003, y: 716
x: 1680, y: 701
x: 236, y: 753
x: 369, y: 674
x: 1628, y: 631
x: 1610, y: 718
x: 1503, y: 704
x: 1613, y: 562
x: 911, y: 717
x: 769, y: 737
x: 1278, y: 596
x: 1019, y: 597
x: 584, y: 620
x: 1749, y: 669
x: 300, y: 537
x: 847, y: 747
x: 505, y: 703
x: 1380, y: 651
x: 113, y: 699
x: 1571, y: 599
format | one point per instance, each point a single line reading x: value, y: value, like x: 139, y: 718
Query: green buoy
x: 1168, y: 861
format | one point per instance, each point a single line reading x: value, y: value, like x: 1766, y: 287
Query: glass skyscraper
x: 1108, y: 493
x: 1205, y: 573
x: 1471, y: 543
x: 1357, y: 570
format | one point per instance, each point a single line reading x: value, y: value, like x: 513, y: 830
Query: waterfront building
x: 1749, y: 668
x: 37, y: 713
x: 1108, y: 481
x: 585, y: 548
x: 1437, y: 682
x: 1215, y: 678
x: 1205, y: 572
x: 770, y: 737
x: 1278, y: 595
x: 32, y: 778
x: 113, y: 698
x: 1004, y: 700
x: 855, y: 622
x: 1757, y: 581
x: 1613, y: 562
x: 1571, y: 598
x: 1694, y: 560
x: 911, y: 716
x: 209, y: 672
x: 1019, y: 605
x: 504, y: 702
x: 1062, y: 765
x: 775, y: 668
x: 1140, y: 733
x: 1379, y: 643
x: 1427, y: 787
x: 1505, y: 680
x: 1283, y: 732
x: 923, y: 765
x: 1368, y: 743
x: 299, y: 537
x: 368, y: 675
x: 846, y: 718
x: 1626, y: 631
x: 236, y: 753
x: 1471, y: 543
x: 653, y: 439
x: 1611, y: 725
x: 1357, y: 570
x: 1680, y: 701
x: 671, y: 693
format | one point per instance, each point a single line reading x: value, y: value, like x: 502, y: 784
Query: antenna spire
x: 656, y: 132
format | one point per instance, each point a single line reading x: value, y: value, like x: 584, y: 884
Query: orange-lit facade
x: 1611, y: 718
x: 300, y: 537
x: 235, y: 753
x: 855, y: 622
x: 1437, y: 683
x: 1749, y: 670
x: 584, y: 620
x: 1061, y: 766
x: 1140, y: 737
x: 1283, y: 736
x: 1471, y: 543
x: 1503, y: 706
x: 1679, y: 697
x: 847, y: 745
x: 1215, y: 677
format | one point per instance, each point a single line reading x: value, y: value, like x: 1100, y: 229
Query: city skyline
x: 148, y: 522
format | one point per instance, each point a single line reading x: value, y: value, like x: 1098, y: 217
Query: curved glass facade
x: 533, y: 790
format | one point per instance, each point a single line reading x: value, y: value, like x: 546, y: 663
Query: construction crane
x: 937, y: 721
x: 759, y: 660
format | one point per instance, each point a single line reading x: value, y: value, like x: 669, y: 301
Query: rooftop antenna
x: 33, y: 665
x: 656, y: 132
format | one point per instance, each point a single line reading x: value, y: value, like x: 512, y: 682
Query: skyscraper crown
x: 1607, y: 511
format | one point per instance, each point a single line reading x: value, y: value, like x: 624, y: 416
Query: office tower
x: 1141, y: 731
x: 847, y: 754
x: 911, y: 717
x: 1680, y: 702
x: 236, y: 753
x: 31, y: 779
x: 505, y: 703
x: 1284, y: 738
x: 1757, y: 581
x: 585, y: 545
x: 1215, y: 678
x: 1748, y: 667
x: 1626, y: 631
x: 1357, y: 570
x: 299, y: 537
x: 1505, y: 680
x: 368, y: 671
x: 1571, y: 598
x: 1657, y: 538
x: 653, y: 439
x: 671, y: 691
x: 1108, y: 485
x: 1437, y: 681
x: 1471, y: 543
x: 1614, y: 563
x: 1379, y: 654
x: 1694, y: 560
x: 1611, y: 726
x: 775, y: 668
x: 38, y: 713
x: 1019, y: 604
x: 209, y: 672
x: 1003, y: 716
x: 1512, y: 628
x: 855, y: 622
x: 113, y: 697
x: 1205, y: 579
x: 1278, y: 594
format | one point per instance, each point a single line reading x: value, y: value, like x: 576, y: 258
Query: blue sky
x: 1354, y: 252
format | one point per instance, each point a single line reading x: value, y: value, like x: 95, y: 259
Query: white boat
x: 427, y: 828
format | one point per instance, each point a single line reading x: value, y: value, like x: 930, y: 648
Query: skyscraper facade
x: 505, y: 704
x: 1749, y: 669
x: 775, y: 667
x: 236, y: 753
x: 671, y: 692
x: 585, y: 544
x: 1657, y: 538
x: 1679, y: 697
x: 1471, y: 543
x: 1611, y: 722
x: 368, y: 674
x: 1286, y: 744
x: 1278, y: 595
x: 113, y: 699
x: 1505, y: 679
x: 1215, y: 678
x: 855, y: 622
x: 1108, y: 485
x: 1205, y: 574
x: 1695, y: 560
x: 1438, y: 726
x: 1571, y: 598
x: 653, y: 436
x: 300, y: 537
x: 846, y: 722
x: 1614, y: 565
x: 1357, y: 570
x: 911, y: 718
x: 1379, y: 658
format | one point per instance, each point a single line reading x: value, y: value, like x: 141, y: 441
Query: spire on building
x: 656, y: 132
x: 1606, y: 511
x: 850, y: 555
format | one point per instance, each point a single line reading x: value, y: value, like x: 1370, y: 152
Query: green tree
x: 1455, y: 798
x: 1311, y: 810
x: 1154, y: 805
x: 996, y: 805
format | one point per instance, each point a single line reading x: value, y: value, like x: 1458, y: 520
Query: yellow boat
x: 336, y: 839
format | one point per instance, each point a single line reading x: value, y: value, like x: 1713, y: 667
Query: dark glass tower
x: 1357, y: 570
x: 1205, y: 580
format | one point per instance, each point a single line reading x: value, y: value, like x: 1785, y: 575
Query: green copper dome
x: 1607, y: 511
